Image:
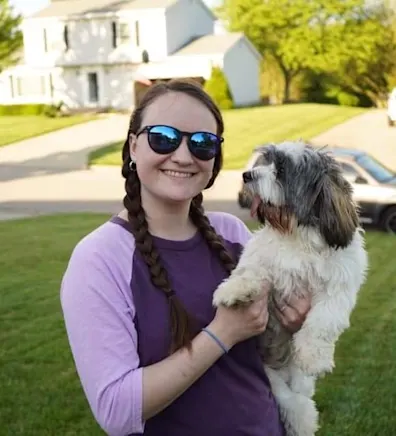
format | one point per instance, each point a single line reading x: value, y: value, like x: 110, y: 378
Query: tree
x: 217, y: 87
x: 279, y: 28
x: 10, y: 35
x: 357, y: 46
x: 341, y: 37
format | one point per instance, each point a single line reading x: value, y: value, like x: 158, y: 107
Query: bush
x: 346, y: 99
x: 51, y: 111
x: 22, y: 109
x: 217, y: 87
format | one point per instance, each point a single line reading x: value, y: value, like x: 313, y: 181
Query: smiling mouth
x: 178, y: 174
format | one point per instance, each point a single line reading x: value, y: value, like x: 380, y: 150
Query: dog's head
x: 295, y: 185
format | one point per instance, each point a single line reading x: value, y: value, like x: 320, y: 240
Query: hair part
x: 183, y: 326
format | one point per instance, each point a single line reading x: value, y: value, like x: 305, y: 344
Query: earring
x: 132, y: 165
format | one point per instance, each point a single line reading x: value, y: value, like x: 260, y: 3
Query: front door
x: 93, y: 89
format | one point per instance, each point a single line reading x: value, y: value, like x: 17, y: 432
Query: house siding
x: 91, y: 41
x: 241, y: 67
x: 187, y: 20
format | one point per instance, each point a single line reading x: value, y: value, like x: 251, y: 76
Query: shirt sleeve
x: 103, y: 341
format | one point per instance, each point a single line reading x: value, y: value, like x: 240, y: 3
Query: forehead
x: 181, y: 111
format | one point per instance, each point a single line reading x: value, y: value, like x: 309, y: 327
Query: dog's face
x: 295, y: 185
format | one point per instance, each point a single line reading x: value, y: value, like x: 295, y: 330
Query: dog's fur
x: 310, y: 242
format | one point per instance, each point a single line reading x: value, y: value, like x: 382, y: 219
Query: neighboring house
x: 101, y: 53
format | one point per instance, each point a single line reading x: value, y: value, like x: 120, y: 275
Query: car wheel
x: 388, y: 221
x: 390, y: 122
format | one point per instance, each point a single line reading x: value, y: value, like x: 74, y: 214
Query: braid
x: 215, y: 241
x: 181, y: 323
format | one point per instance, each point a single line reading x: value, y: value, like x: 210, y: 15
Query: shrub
x: 217, y: 87
x: 22, y: 109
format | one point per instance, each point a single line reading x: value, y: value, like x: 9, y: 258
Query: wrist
x: 222, y: 334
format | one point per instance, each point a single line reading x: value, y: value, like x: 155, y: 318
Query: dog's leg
x: 301, y: 383
x: 298, y: 412
x: 314, y: 343
x: 246, y: 282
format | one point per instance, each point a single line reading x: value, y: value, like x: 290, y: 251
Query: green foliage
x: 11, y: 40
x: 50, y: 111
x: 22, y: 109
x: 346, y: 39
x: 217, y: 87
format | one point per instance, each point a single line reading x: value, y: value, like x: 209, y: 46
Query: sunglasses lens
x: 204, y: 146
x: 163, y: 139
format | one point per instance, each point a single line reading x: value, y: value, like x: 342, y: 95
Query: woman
x: 153, y: 355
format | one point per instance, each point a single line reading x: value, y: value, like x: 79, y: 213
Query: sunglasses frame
x: 181, y: 134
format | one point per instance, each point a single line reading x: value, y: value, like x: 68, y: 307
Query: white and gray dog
x: 310, y: 242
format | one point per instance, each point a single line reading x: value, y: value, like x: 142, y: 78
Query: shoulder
x: 230, y: 227
x: 105, y: 254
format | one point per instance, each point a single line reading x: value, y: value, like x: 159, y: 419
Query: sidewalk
x: 48, y: 174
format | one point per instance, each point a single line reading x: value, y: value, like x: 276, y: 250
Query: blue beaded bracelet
x: 216, y: 339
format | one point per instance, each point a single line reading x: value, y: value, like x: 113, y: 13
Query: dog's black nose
x: 247, y: 176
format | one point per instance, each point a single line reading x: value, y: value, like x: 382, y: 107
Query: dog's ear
x: 338, y: 216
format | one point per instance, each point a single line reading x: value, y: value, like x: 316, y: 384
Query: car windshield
x: 376, y: 170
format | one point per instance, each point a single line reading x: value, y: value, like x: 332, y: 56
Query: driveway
x: 48, y: 174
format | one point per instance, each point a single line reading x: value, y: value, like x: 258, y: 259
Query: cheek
x: 206, y: 167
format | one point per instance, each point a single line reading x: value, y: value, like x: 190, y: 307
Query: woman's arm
x: 103, y: 341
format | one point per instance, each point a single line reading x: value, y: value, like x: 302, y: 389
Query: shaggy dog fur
x: 310, y: 242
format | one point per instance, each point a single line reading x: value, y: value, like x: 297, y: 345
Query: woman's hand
x: 292, y: 313
x: 236, y: 324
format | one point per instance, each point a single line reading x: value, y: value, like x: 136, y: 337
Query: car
x: 391, y: 111
x: 374, y: 186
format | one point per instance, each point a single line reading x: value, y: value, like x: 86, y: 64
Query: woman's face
x: 178, y: 176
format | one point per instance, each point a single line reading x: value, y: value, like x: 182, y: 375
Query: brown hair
x: 182, y: 326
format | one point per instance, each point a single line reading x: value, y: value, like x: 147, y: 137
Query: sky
x: 27, y: 7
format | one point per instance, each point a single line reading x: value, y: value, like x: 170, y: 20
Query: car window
x: 348, y: 169
x: 376, y: 170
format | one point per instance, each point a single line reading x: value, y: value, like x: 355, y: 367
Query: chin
x: 309, y: 242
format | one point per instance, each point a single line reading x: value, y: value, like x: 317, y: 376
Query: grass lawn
x: 40, y: 392
x: 247, y: 128
x: 17, y: 128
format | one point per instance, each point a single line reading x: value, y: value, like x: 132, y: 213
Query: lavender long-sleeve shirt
x: 117, y: 323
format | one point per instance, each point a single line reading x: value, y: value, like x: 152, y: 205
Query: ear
x: 132, y: 145
x: 338, y: 217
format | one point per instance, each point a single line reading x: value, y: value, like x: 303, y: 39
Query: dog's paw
x: 300, y: 417
x: 233, y: 292
x: 313, y: 356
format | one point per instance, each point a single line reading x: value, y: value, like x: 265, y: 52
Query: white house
x: 100, y: 53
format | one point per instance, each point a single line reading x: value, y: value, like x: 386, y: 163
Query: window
x: 376, y: 170
x: 45, y: 40
x: 120, y: 33
x: 349, y: 170
x: 93, y: 88
x: 137, y: 34
x: 66, y: 37
x: 30, y: 86
x: 12, y: 87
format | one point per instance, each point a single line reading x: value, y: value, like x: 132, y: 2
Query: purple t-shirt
x: 118, y: 322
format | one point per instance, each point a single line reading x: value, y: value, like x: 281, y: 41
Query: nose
x: 247, y: 176
x: 182, y: 154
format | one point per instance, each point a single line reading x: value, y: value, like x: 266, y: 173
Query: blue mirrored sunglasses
x: 166, y: 139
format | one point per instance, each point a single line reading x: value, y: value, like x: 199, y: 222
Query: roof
x: 61, y: 8
x: 210, y: 44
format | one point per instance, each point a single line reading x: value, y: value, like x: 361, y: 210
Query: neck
x: 167, y: 220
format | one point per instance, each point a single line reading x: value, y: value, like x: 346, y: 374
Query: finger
x: 299, y: 304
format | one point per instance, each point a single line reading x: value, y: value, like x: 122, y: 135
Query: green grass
x: 40, y: 391
x: 245, y: 129
x: 17, y: 128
